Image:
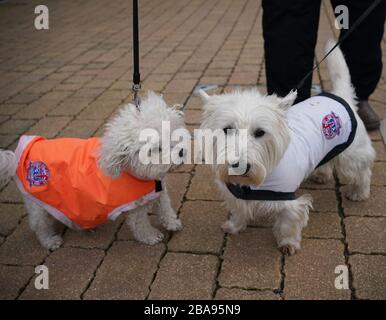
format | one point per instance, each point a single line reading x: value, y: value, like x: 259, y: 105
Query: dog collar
x: 158, y: 186
x: 246, y: 193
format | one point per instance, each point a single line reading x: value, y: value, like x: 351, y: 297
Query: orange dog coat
x: 63, y: 177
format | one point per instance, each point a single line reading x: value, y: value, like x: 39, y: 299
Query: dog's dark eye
x: 226, y: 129
x: 150, y: 151
x: 259, y: 133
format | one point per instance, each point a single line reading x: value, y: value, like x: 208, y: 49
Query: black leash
x: 354, y: 26
x: 136, y: 75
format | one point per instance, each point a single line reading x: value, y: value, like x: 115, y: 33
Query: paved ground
x: 67, y: 81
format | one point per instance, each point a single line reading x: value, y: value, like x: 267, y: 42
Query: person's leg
x: 290, y: 31
x: 362, y: 49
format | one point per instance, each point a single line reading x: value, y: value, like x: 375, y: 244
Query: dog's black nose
x: 181, y: 153
x: 235, y: 165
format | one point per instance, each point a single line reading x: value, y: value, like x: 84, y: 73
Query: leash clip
x: 136, y: 98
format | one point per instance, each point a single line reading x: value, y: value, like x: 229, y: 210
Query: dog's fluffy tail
x: 339, y: 73
x: 8, y: 166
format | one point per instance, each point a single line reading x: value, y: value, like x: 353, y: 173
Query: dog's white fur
x: 119, y: 152
x: 250, y: 110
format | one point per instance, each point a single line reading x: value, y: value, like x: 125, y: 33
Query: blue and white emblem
x: 37, y: 173
x: 331, y: 126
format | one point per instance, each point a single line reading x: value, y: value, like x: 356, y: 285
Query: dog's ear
x: 179, y: 108
x: 132, y: 108
x: 259, y: 173
x: 112, y: 151
x: 286, y: 102
x: 109, y: 160
x: 203, y: 95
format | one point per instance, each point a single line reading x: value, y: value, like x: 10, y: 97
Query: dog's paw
x: 354, y: 194
x: 53, y: 242
x: 173, y: 225
x: 288, y: 249
x: 289, y: 246
x: 151, y: 237
x: 229, y: 227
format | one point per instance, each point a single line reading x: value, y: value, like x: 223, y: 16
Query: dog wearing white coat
x: 285, y: 144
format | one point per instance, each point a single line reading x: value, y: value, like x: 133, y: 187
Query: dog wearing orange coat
x: 83, y: 183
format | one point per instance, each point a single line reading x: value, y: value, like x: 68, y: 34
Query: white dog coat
x: 321, y: 127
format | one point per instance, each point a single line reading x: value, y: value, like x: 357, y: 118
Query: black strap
x: 341, y: 39
x: 136, y: 74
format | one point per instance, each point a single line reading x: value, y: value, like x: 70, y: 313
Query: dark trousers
x: 290, y: 30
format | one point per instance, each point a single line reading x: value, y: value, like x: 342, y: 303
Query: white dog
x: 84, y: 182
x: 284, y: 146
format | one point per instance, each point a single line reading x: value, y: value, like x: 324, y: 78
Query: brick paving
x: 67, y: 81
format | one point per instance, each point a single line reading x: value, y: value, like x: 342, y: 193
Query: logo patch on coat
x: 331, y: 125
x: 37, y: 173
